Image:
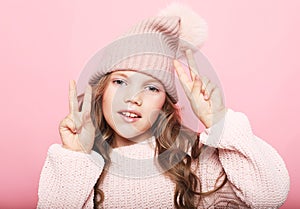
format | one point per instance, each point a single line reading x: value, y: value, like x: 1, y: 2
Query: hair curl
x: 176, y: 147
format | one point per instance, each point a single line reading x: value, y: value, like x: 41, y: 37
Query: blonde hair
x: 173, y: 142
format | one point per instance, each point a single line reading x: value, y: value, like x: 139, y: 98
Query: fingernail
x: 206, y: 96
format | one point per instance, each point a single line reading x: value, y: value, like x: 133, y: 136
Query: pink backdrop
x: 253, y: 45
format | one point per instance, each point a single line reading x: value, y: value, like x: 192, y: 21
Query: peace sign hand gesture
x: 76, y: 129
x: 205, y: 97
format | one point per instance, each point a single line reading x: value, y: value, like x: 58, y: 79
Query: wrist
x: 81, y: 150
x: 214, y: 118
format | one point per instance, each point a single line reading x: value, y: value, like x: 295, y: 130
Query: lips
x: 130, y: 115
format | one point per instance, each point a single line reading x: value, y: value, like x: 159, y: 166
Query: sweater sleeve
x: 68, y: 178
x: 255, y: 170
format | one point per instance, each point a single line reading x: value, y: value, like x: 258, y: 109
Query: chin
x: 129, y: 135
x: 133, y: 134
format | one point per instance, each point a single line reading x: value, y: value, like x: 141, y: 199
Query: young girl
x: 124, y: 144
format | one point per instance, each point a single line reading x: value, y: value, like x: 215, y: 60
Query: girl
x: 124, y: 144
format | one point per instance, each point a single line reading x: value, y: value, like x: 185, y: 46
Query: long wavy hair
x: 176, y: 148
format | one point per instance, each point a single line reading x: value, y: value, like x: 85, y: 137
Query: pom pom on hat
x: 193, y: 27
x: 150, y: 47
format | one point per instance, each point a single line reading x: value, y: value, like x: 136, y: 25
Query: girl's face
x: 131, y: 104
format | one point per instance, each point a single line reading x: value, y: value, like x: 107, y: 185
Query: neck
x: 119, y: 141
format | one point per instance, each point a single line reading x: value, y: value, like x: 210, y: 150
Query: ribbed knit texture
x: 257, y: 176
x: 149, y: 47
x: 68, y: 178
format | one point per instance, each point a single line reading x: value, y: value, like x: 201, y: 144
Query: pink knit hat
x: 150, y: 47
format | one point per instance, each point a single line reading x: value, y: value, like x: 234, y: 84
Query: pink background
x: 253, y: 45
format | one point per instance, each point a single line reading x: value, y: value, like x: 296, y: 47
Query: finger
x: 197, y: 85
x: 87, y: 102
x: 205, y: 82
x: 73, y: 102
x: 208, y: 90
x: 183, y: 78
x: 68, y: 124
x: 87, y: 121
x: 192, y: 64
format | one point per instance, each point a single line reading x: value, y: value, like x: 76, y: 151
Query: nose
x: 135, y: 98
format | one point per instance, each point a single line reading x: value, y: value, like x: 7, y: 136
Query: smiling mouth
x: 130, y: 114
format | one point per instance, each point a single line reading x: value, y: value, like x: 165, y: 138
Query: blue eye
x: 152, y: 88
x: 119, y: 82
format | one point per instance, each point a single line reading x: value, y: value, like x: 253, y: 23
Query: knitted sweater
x: 257, y: 175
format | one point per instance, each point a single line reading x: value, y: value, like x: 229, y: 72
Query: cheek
x: 108, y: 98
x: 154, y: 109
x: 105, y: 101
x: 107, y: 106
x: 159, y: 102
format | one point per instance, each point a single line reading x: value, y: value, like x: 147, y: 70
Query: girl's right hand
x: 76, y: 129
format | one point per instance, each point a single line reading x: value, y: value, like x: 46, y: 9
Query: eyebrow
x: 151, y: 79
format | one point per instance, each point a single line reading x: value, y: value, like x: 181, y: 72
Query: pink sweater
x: 257, y: 175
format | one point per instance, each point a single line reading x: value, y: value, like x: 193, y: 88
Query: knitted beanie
x: 150, y: 47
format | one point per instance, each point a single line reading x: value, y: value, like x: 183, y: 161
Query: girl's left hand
x: 205, y: 97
